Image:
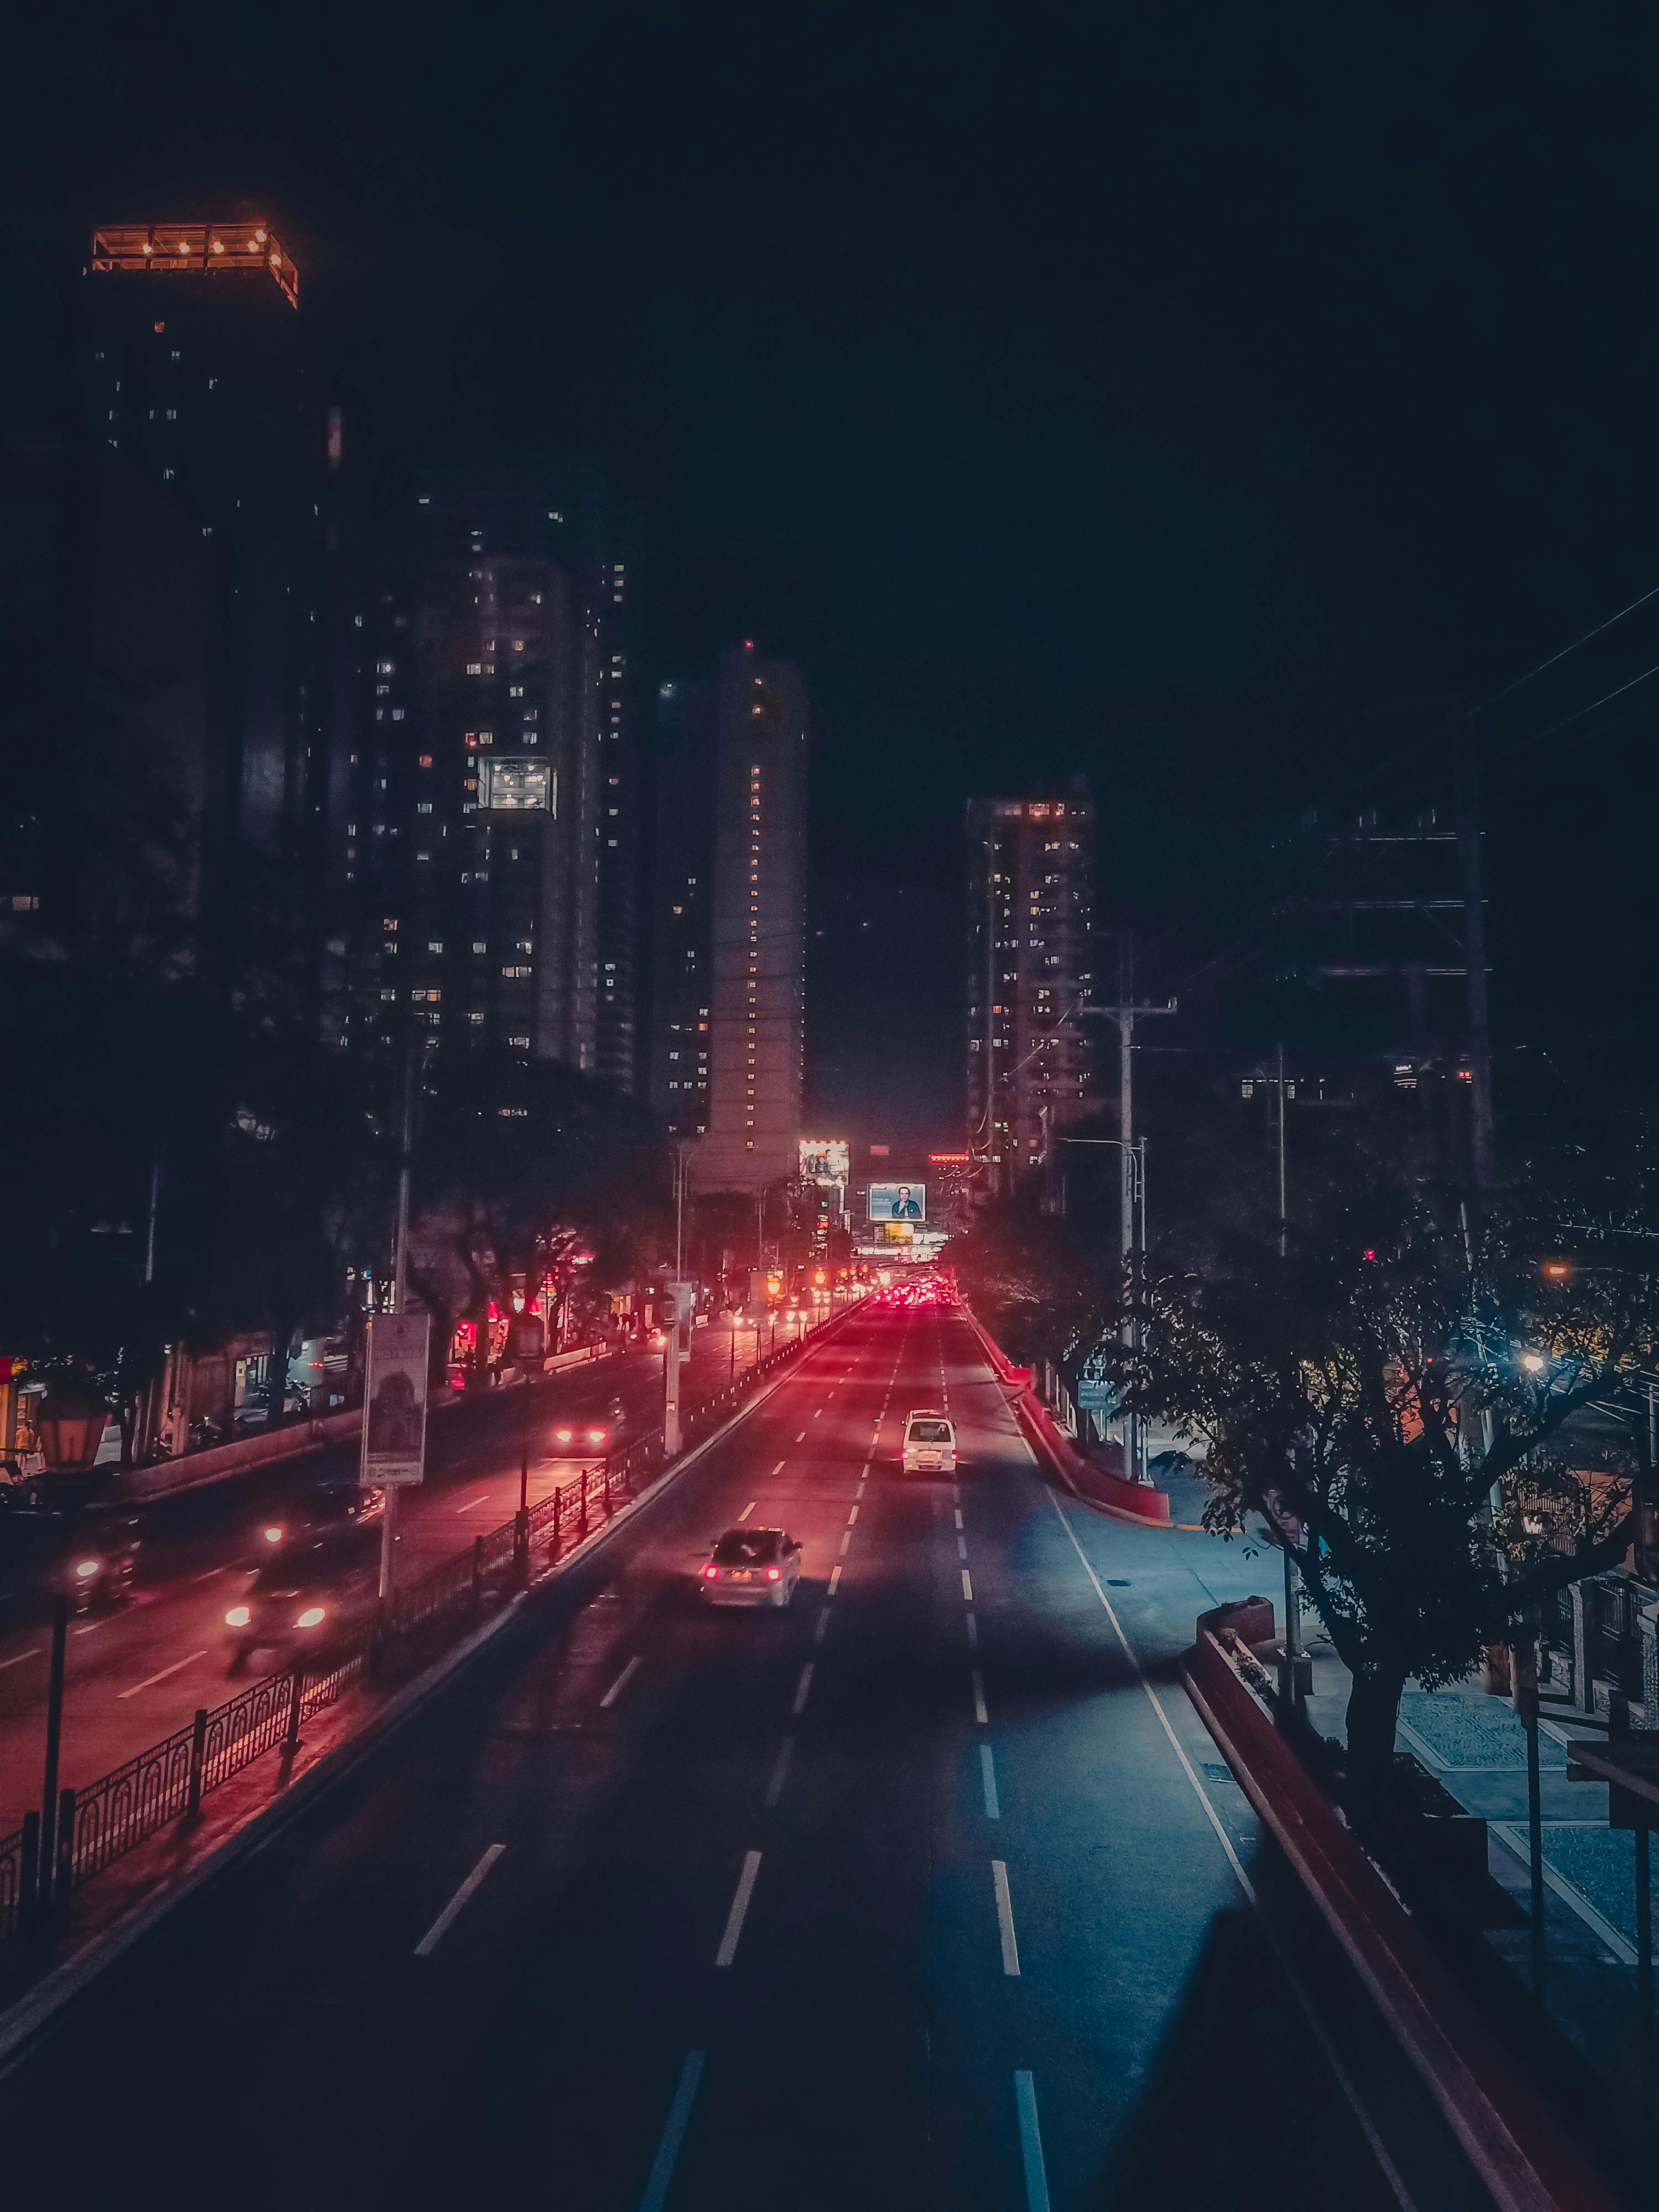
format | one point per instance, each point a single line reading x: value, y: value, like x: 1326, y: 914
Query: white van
x: 930, y: 1442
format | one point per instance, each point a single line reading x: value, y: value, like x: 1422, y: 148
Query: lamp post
x: 1135, y: 1261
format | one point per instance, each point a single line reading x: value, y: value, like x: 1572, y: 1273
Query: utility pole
x: 1126, y: 1015
x: 991, y: 1159
x: 1284, y: 1217
x: 1475, y: 954
x: 399, y: 1294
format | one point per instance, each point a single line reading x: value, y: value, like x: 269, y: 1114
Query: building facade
x: 1029, y: 975
x: 486, y: 832
x: 729, y: 1042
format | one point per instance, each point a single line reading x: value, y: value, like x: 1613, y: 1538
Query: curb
x: 1522, y: 2154
x: 26, y: 2023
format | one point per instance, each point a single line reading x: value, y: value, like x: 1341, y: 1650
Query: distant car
x: 752, y: 1566
x: 311, y: 1591
x: 930, y: 1442
x: 320, y: 1507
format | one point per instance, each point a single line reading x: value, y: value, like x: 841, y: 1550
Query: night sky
x: 1215, y: 400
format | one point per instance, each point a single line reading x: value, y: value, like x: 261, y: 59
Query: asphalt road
x: 930, y: 1892
x: 139, y: 1669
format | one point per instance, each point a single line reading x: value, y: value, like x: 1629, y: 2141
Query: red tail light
x: 771, y: 1574
x: 711, y: 1574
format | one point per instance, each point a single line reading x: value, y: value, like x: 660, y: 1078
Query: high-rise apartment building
x: 215, y: 516
x: 729, y: 1028
x: 1029, y: 973
x: 486, y: 830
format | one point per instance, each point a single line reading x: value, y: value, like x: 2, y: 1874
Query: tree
x: 1397, y: 1395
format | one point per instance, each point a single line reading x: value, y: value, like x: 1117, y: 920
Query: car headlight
x: 86, y: 1569
x: 238, y: 1616
x: 563, y: 1435
x: 596, y: 1436
x: 274, y: 1536
x: 312, y: 1617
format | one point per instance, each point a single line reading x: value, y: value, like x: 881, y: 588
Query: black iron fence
x: 98, y: 1822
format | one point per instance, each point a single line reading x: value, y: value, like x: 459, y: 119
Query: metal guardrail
x: 102, y: 1821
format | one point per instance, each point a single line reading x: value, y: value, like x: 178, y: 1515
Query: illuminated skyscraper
x: 729, y: 1033
x: 1030, y: 972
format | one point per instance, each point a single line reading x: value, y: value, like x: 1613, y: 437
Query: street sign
x: 1094, y: 1394
x: 394, y: 1401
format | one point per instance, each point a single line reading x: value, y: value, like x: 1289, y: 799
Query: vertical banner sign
x: 394, y: 1400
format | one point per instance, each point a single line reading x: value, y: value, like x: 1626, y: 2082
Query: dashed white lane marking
x: 33, y: 1652
x: 958, y: 1520
x: 778, y: 1469
x: 779, y: 1771
x: 819, y: 1632
x: 207, y: 1577
x: 1339, y: 2072
x: 473, y: 1502
x: 620, y: 1684
x: 1030, y: 2144
x: 980, y: 1713
x: 851, y: 1517
x: 967, y: 1588
x: 962, y: 1547
x: 1005, y: 1916
x: 864, y: 1472
x: 440, y: 1928
x: 845, y: 1541
x: 91, y: 1628
x: 973, y: 1631
x: 803, y: 1691
x: 734, y: 1918
x: 817, y: 1413
x: 801, y: 1438
x: 987, y: 1776
x: 834, y: 1576
x: 150, y: 1680
x: 673, y: 2133
x: 748, y: 1509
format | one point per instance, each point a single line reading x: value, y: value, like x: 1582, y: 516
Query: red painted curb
x: 1524, y: 2155
x: 1133, y: 1501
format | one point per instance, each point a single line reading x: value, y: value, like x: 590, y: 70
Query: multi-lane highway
x: 929, y: 1892
x: 139, y: 1669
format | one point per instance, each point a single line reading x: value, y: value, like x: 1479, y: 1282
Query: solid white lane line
x: 980, y: 1713
x: 748, y: 1509
x: 803, y: 1691
x: 150, y: 1680
x: 1030, y: 2144
x: 851, y: 1517
x: 471, y: 1501
x: 973, y: 1631
x: 958, y: 1520
x: 834, y: 1576
x: 779, y: 1771
x: 967, y: 1588
x: 207, y: 1577
x: 962, y: 1547
x: 673, y: 2133
x: 988, y: 1775
x: 778, y: 1469
x: 845, y: 1541
x: 620, y: 1684
x: 33, y: 1652
x: 1339, y: 2072
x: 819, y: 1632
x: 1005, y: 1916
x: 734, y: 1918
x: 440, y: 1927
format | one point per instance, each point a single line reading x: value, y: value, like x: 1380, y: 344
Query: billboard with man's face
x: 898, y: 1201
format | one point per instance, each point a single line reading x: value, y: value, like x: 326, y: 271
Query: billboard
x: 515, y: 787
x: 898, y: 1201
x: 394, y: 1400
x: 825, y: 1159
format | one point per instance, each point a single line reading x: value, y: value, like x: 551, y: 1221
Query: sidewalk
x: 1475, y: 1747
